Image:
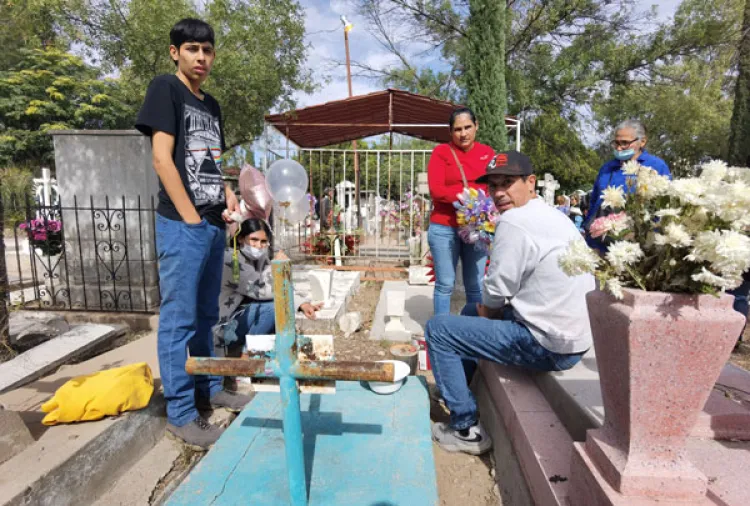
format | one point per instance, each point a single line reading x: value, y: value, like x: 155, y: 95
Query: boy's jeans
x: 453, y: 340
x: 446, y: 248
x: 190, y: 268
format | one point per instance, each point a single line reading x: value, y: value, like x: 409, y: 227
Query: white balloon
x: 295, y: 212
x: 286, y: 181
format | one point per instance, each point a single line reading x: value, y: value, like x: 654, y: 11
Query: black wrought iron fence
x: 97, y: 255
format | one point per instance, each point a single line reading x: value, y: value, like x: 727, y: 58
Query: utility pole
x: 347, y: 28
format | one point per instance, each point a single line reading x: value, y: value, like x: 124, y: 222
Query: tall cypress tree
x: 739, y: 140
x: 483, y: 58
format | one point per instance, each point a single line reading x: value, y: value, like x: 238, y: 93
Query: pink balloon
x: 254, y: 192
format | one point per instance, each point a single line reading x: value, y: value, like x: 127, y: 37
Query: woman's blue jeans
x: 258, y: 318
x: 446, y: 248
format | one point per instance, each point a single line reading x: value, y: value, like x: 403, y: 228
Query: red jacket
x: 445, y: 181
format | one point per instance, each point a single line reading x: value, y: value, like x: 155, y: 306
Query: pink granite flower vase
x: 659, y: 355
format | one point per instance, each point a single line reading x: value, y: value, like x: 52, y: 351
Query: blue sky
x: 326, y: 40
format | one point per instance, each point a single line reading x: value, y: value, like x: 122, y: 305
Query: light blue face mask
x: 624, y: 155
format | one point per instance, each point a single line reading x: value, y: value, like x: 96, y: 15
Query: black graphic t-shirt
x: 172, y: 108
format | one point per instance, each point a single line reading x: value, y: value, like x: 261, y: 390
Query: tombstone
x: 321, y: 285
x: 548, y: 185
x: 110, y: 241
x: 395, y: 307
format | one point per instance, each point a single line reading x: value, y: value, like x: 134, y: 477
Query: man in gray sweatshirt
x: 532, y: 314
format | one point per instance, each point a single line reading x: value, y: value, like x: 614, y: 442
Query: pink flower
x: 614, y: 223
x: 40, y: 236
x: 23, y: 226
x: 54, y: 226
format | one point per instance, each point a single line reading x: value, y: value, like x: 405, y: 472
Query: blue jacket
x: 610, y: 174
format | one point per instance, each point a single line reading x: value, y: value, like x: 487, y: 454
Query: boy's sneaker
x: 197, y: 435
x: 231, y: 401
x: 474, y: 440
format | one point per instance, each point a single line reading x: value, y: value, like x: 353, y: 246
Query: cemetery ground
x: 462, y: 479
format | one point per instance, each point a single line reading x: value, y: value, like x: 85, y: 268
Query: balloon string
x: 235, y: 257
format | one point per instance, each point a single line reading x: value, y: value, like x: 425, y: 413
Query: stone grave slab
x: 577, y: 399
x: 360, y: 448
x: 345, y: 285
x: 46, y: 357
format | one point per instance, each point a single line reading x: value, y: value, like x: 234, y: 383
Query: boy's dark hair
x: 191, y: 30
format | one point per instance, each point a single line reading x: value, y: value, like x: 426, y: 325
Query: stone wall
x: 108, y: 192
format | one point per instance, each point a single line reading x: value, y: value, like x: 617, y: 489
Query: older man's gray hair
x: 637, y: 126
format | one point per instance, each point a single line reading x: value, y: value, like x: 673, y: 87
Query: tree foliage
x: 50, y: 89
x: 483, y: 58
x: 685, y: 99
x: 260, y: 51
x: 739, y: 142
x: 585, y: 59
x: 554, y: 147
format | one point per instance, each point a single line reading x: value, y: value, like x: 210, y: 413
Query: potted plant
x: 661, y: 325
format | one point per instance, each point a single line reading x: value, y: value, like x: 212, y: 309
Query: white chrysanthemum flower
x: 623, y: 253
x: 689, y: 190
x: 615, y: 288
x: 578, y: 259
x: 613, y: 197
x: 631, y: 168
x: 697, y: 220
x: 714, y: 171
x: 735, y: 174
x: 721, y: 282
x: 677, y: 235
x: 668, y: 211
x: 727, y: 251
x: 734, y: 250
x: 660, y: 240
x: 650, y: 184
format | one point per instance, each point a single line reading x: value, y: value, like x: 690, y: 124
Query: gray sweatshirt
x: 255, y: 285
x: 524, y: 273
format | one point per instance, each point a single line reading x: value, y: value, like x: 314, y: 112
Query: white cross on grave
x: 548, y: 186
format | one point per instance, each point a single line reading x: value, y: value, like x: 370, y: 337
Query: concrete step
x: 49, y: 355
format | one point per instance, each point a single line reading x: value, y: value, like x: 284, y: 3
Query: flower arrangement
x: 44, y: 234
x: 686, y: 236
x: 322, y: 244
x: 410, y: 210
x: 476, y: 216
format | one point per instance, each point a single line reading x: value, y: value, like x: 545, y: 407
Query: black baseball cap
x: 507, y: 163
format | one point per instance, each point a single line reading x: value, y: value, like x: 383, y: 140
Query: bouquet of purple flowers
x: 476, y: 215
x: 45, y: 235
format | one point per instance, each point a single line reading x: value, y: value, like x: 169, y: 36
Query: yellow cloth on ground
x: 105, y: 393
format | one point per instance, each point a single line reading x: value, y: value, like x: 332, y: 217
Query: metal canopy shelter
x: 372, y: 114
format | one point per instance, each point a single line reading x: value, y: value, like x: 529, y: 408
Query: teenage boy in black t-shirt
x: 187, y: 140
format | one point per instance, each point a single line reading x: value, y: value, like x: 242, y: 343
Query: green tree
x: 739, y: 141
x: 260, y: 51
x: 685, y: 100
x: 50, y: 89
x: 483, y: 58
x: 554, y: 147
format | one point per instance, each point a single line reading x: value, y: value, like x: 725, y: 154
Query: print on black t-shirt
x: 203, y: 156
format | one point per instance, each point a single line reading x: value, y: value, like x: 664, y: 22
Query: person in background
x: 326, y: 206
x: 563, y: 205
x: 629, y: 143
x: 741, y: 300
x: 246, y: 304
x: 451, y: 167
x: 575, y: 213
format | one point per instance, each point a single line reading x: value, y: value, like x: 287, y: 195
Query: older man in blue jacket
x: 629, y: 144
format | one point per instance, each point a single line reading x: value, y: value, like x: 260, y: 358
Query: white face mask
x: 252, y: 252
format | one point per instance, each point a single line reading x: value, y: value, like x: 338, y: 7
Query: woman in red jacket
x: 445, y: 179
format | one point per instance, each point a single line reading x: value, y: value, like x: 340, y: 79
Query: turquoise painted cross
x: 285, y: 366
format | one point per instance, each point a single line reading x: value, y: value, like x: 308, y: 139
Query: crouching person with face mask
x: 246, y: 300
